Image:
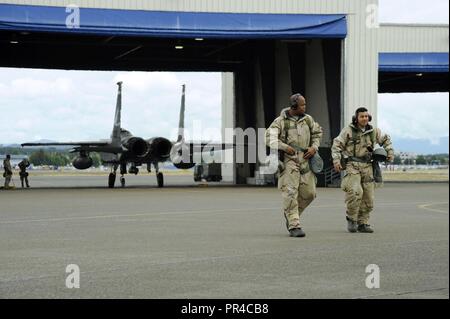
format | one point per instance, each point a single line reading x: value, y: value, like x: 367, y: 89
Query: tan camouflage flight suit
x: 358, y: 182
x: 23, y: 172
x: 296, y: 182
x: 8, y: 172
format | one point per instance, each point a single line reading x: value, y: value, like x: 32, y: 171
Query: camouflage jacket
x: 23, y: 165
x: 7, y: 167
x: 284, y: 130
x: 352, y: 141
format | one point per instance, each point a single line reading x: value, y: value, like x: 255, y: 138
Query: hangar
x: 334, y: 52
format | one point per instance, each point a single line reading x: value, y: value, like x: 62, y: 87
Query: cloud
x: 28, y: 87
x: 23, y: 124
x: 144, y: 82
x: 414, y: 11
x: 79, y: 105
x: 414, y: 115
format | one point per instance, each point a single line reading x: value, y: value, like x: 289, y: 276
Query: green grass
x: 417, y: 175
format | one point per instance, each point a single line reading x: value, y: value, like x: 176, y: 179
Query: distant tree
x: 59, y: 159
x: 10, y: 150
x: 421, y: 160
x: 96, y: 160
x: 42, y: 157
x: 38, y: 158
x: 397, y: 160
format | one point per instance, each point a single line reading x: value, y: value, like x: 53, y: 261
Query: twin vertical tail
x: 181, y: 122
x: 115, y: 135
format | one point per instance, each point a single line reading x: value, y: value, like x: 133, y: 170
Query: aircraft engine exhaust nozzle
x: 82, y: 162
x: 160, y: 148
x: 137, y: 146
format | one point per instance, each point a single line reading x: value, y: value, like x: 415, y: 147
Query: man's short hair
x: 294, y: 98
x: 8, y: 156
x: 361, y: 109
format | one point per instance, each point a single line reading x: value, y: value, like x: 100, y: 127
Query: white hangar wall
x: 413, y: 38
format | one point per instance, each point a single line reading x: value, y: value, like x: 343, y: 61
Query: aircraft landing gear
x: 111, y: 180
x: 133, y: 170
x: 112, y: 177
x: 159, y: 176
x: 123, y: 171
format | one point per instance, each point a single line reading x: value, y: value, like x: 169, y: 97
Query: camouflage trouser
x: 358, y: 184
x: 24, y: 179
x: 298, y: 191
x: 7, y: 180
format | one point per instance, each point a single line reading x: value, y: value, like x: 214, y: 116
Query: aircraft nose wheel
x: 160, y: 179
x: 122, y: 181
x: 111, y: 180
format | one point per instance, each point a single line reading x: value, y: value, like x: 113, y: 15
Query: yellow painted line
x: 426, y: 207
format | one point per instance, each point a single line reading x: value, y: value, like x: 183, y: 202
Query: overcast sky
x: 79, y: 105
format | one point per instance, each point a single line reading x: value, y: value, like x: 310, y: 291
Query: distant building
x: 435, y: 162
x: 406, y: 156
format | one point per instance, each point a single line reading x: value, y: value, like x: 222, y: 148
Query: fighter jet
x: 123, y: 148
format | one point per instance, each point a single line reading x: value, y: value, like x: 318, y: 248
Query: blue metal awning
x: 413, y: 62
x: 174, y: 24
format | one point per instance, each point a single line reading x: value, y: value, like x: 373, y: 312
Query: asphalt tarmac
x: 216, y: 241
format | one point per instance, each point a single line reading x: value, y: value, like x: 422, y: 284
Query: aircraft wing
x: 200, y: 146
x: 94, y: 146
x: 96, y: 143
